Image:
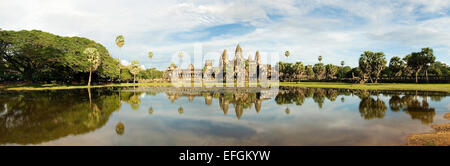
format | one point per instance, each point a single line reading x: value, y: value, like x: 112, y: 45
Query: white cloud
x: 125, y: 62
x: 391, y: 26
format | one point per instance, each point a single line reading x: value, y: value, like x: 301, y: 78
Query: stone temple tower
x: 223, y: 61
x: 238, y: 53
x: 239, y: 63
x: 258, y: 58
x: 223, y: 64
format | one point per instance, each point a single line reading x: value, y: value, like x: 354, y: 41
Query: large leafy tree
x: 378, y: 64
x: 319, y: 70
x: 126, y: 75
x: 331, y: 70
x: 32, y: 54
x: 108, y: 68
x: 419, y: 61
x: 396, y: 65
x: 309, y: 71
x: 371, y: 64
x: 429, y: 59
x: 38, y: 56
x: 151, y: 73
x: 365, y: 64
x: 286, y: 70
x: 440, y: 69
x: 344, y: 72
x: 299, y: 70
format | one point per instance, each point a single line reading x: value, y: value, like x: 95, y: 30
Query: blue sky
x: 336, y: 29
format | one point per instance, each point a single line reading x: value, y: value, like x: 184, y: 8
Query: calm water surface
x: 174, y: 116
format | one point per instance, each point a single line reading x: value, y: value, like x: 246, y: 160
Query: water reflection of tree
x: 287, y: 111
x: 319, y: 97
x: 371, y: 108
x: 150, y: 110
x: 396, y: 103
x: 180, y: 110
x: 420, y: 111
x: 332, y: 94
x: 120, y: 128
x: 132, y: 98
x: 36, y: 117
x: 290, y: 97
x: 412, y: 106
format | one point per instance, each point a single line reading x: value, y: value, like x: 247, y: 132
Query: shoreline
x: 379, y: 86
x: 439, y: 137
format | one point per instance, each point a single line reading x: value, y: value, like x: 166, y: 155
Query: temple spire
x: 238, y: 49
x: 258, y: 57
x: 238, y: 52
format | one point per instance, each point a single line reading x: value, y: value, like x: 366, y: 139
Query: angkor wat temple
x: 238, y: 68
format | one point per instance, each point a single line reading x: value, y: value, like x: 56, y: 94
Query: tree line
x: 40, y: 57
x: 371, y: 67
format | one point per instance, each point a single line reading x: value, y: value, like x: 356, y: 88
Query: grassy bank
x: 60, y: 87
x: 381, y: 86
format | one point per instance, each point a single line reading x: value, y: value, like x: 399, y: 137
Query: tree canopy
x: 371, y: 64
x: 40, y: 56
x: 419, y: 61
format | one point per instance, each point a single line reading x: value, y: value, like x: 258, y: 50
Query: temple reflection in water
x: 41, y: 116
x: 240, y: 99
x: 371, y: 105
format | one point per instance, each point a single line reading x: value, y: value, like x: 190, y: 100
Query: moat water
x: 174, y: 116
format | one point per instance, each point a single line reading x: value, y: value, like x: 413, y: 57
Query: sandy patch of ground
x: 441, y: 136
x: 447, y: 116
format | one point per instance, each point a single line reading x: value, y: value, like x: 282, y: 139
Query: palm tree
x: 93, y: 60
x: 287, y: 54
x: 342, y: 69
x: 180, y: 55
x: 135, y: 68
x: 150, y: 56
x: 120, y: 41
x: 320, y: 59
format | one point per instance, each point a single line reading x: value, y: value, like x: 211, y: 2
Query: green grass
x: 60, y: 87
x: 380, y: 86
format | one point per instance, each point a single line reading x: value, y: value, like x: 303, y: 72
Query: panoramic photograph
x: 225, y: 73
